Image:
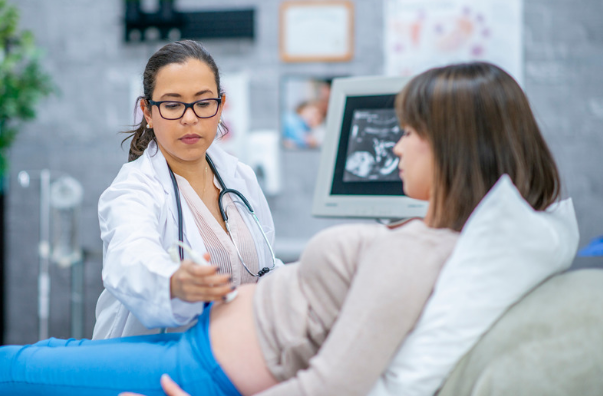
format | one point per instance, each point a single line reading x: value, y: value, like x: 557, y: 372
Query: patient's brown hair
x: 480, y: 126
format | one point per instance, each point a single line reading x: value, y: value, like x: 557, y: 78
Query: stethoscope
x: 224, y: 191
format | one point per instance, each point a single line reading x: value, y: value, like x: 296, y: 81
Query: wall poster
x: 421, y: 34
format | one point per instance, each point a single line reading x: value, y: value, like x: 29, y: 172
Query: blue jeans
x: 108, y: 367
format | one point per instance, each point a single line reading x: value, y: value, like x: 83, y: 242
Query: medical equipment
x: 197, y: 259
x: 358, y: 173
x: 66, y: 196
x: 60, y: 202
x: 224, y: 191
x: 262, y: 154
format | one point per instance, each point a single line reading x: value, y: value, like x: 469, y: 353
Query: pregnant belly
x: 235, y: 344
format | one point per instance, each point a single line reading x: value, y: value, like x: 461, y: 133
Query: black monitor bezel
x: 338, y: 186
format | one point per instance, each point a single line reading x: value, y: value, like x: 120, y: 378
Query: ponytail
x: 141, y: 137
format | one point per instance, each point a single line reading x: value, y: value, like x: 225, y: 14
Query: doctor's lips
x: 190, y: 138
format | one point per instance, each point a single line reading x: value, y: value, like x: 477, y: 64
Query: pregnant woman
x: 331, y: 323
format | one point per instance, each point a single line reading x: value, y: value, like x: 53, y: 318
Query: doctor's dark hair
x: 176, y: 52
x: 479, y: 125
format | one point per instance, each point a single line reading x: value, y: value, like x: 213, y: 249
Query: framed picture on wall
x: 316, y: 31
x: 304, y: 103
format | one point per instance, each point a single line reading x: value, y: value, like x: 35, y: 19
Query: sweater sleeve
x: 394, y: 279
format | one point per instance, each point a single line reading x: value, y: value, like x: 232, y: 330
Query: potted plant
x: 22, y: 84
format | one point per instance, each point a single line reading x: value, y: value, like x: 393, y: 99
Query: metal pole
x: 44, y: 253
x: 77, y: 299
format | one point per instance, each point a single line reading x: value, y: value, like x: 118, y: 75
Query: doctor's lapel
x: 191, y: 234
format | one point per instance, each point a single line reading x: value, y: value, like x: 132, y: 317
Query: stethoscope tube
x: 179, y: 209
x: 224, y: 191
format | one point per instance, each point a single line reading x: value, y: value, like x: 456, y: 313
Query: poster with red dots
x: 421, y: 34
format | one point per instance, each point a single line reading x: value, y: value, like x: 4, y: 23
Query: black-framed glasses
x: 174, y: 110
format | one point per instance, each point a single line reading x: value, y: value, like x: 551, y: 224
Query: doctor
x: 171, y: 191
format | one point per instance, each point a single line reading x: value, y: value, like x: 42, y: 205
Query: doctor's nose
x: 189, y: 116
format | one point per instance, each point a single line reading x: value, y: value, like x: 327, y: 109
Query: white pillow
x: 505, y: 250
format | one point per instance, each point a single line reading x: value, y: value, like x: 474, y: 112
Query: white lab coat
x: 138, y: 223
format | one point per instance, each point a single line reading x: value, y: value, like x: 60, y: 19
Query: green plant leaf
x: 23, y: 82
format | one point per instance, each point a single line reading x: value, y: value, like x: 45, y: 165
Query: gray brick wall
x: 76, y: 131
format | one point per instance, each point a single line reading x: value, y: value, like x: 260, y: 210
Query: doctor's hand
x: 194, y: 283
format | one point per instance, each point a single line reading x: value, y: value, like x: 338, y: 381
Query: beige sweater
x: 330, y: 324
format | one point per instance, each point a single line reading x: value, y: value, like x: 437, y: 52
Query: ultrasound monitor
x: 358, y: 174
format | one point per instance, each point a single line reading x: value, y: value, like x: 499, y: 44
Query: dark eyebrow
x: 176, y: 95
x: 170, y: 95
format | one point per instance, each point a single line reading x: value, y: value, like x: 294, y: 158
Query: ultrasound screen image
x: 370, y: 156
